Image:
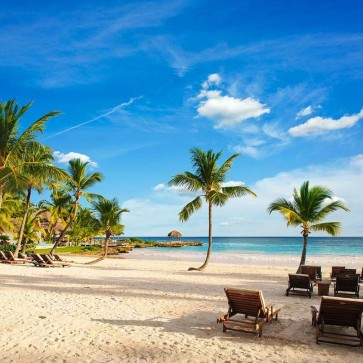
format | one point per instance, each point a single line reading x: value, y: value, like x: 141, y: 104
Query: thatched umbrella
x: 175, y: 234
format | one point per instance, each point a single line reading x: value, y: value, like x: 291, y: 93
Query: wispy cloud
x: 108, y: 113
x: 319, y: 125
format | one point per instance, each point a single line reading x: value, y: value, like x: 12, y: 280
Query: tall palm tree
x: 11, y: 144
x: 85, y: 226
x: 78, y: 182
x: 209, y: 179
x: 108, y: 216
x: 309, y: 208
x: 37, y: 172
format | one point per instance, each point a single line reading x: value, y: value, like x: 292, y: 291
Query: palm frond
x: 332, y: 228
x: 237, y: 191
x: 190, y: 208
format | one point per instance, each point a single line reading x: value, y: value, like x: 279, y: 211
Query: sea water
x: 291, y: 246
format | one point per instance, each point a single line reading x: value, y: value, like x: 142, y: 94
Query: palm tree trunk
x: 210, y: 240
x: 104, y: 253
x: 25, y: 216
x: 303, y: 254
x: 23, y: 247
x: 66, y: 228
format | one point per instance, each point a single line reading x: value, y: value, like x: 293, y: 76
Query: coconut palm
x: 79, y: 181
x: 37, y: 172
x: 59, y: 208
x: 84, y: 227
x: 310, y: 206
x: 11, y: 143
x: 108, y: 216
x: 209, y: 179
x: 33, y: 230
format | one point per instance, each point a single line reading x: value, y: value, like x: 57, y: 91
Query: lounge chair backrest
x: 347, y: 283
x: 299, y: 280
x: 47, y: 259
x: 349, y: 271
x: 245, y: 301
x: 336, y: 270
x: 3, y: 256
x: 309, y: 270
x: 10, y: 255
x: 38, y: 258
x: 340, y: 311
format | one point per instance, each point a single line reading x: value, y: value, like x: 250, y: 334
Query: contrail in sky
x: 121, y: 105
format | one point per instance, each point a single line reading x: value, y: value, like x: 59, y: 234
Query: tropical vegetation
x: 27, y: 166
x: 210, y: 180
x: 308, y: 209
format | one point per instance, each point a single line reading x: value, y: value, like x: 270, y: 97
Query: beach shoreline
x: 131, y: 309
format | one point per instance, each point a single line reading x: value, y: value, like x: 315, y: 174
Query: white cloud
x: 247, y: 150
x: 232, y: 183
x: 248, y: 216
x: 319, y: 125
x: 64, y: 158
x: 213, y: 79
x: 233, y: 221
x: 226, y: 111
x: 173, y: 189
x: 305, y: 112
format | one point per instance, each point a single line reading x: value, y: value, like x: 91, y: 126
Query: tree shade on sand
x: 208, y: 179
x: 309, y: 208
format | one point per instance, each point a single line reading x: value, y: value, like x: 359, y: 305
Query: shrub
x: 136, y: 239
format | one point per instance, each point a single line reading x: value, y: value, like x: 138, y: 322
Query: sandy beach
x: 133, y: 309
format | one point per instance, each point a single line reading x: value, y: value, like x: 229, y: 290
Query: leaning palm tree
x: 108, y: 216
x: 309, y: 208
x: 78, y: 182
x: 209, y: 179
x: 37, y: 172
x: 11, y: 143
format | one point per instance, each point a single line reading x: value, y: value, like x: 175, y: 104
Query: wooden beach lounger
x: 39, y: 262
x: 251, y: 304
x: 14, y: 259
x: 301, y: 282
x: 336, y: 270
x: 338, y: 312
x: 347, y: 285
x: 314, y: 272
x: 49, y: 261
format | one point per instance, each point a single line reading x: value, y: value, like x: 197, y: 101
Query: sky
x: 141, y: 83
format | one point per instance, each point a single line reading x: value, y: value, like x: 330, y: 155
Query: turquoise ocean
x: 290, y: 246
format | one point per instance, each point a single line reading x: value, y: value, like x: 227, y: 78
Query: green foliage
x: 136, y: 239
x: 7, y: 248
x: 4, y: 239
x: 90, y: 248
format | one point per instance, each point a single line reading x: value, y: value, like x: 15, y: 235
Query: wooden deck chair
x: 347, y: 284
x: 3, y: 257
x: 13, y: 259
x: 349, y: 271
x: 251, y: 304
x: 338, y: 312
x: 39, y: 262
x: 314, y: 272
x: 49, y: 261
x: 336, y: 270
x: 361, y: 275
x: 302, y: 282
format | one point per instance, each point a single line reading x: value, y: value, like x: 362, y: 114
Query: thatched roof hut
x: 174, y: 234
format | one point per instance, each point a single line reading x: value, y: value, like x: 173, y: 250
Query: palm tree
x: 37, y: 172
x: 108, y: 215
x: 78, y: 182
x: 59, y: 209
x: 11, y: 144
x: 209, y: 179
x: 308, y: 209
x: 33, y: 230
x: 84, y: 227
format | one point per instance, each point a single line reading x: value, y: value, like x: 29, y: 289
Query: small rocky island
x: 127, y: 244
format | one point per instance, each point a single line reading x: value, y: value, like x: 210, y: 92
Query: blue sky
x: 140, y: 83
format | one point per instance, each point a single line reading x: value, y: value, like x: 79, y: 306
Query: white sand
x: 134, y: 310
